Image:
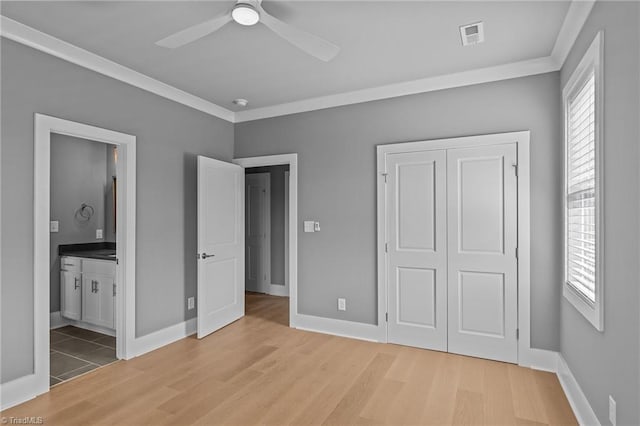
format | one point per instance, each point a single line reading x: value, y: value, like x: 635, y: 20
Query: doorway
x: 266, y: 229
x: 83, y: 279
x: 448, y: 219
x: 221, y: 239
x: 271, y: 233
x: 96, y: 309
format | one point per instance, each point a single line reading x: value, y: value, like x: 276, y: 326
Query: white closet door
x: 257, y: 230
x: 417, y: 268
x: 482, y: 238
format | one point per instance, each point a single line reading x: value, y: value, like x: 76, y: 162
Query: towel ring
x: 85, y: 212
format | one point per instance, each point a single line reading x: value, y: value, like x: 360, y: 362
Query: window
x: 582, y: 99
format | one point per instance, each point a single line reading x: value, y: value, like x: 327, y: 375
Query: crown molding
x: 46, y: 43
x: 430, y: 84
x: 577, y: 15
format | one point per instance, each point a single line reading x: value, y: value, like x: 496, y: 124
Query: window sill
x: 593, y: 313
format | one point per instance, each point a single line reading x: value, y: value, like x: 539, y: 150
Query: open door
x: 220, y: 244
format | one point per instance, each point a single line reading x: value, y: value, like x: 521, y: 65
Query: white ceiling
x: 382, y: 42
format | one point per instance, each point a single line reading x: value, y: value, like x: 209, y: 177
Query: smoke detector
x: 472, y: 33
x: 242, y: 103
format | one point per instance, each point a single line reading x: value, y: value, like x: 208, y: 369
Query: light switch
x: 54, y: 226
x: 316, y: 226
x: 98, y: 234
x: 309, y: 226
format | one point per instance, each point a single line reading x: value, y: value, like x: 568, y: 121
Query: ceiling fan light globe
x: 245, y: 14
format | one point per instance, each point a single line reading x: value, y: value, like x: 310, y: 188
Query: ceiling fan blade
x: 195, y: 32
x: 313, y: 45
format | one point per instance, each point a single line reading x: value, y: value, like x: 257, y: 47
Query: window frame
x: 592, y: 61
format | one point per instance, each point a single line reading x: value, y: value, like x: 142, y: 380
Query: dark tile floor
x: 74, y: 351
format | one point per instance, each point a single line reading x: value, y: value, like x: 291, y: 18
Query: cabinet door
x: 106, y: 296
x: 70, y: 294
x: 97, y: 298
x: 90, y: 298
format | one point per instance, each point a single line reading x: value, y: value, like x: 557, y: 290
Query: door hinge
x: 114, y: 289
x: 385, y: 175
x: 117, y: 261
x: 386, y: 316
x: 517, y: 333
x: 515, y: 169
x: 516, y: 252
x: 386, y: 247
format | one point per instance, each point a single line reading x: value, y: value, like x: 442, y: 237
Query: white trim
x: 579, y: 403
x: 292, y: 161
x: 18, y: 391
x: 336, y: 327
x: 524, y: 252
x: 286, y: 232
x: 160, y: 338
x: 574, y: 20
x: 278, y: 290
x: 592, y: 60
x: 46, y: 43
x: 429, y: 84
x: 125, y: 239
x: 571, y: 26
x: 56, y: 320
x: 540, y: 359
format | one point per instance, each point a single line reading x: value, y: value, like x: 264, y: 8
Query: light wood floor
x: 259, y: 371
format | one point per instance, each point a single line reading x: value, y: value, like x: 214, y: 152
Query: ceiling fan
x: 250, y: 12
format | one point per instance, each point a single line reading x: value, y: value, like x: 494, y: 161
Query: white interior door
x: 482, y: 240
x: 220, y: 244
x: 257, y: 228
x: 417, y: 253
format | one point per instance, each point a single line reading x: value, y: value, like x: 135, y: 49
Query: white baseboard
x: 540, y: 359
x: 56, y: 320
x: 578, y: 401
x: 354, y: 330
x: 18, y: 391
x: 160, y: 338
x: 279, y: 290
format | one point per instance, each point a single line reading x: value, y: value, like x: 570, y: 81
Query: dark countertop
x: 102, y: 251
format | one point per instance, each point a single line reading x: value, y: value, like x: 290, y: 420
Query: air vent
x: 472, y: 33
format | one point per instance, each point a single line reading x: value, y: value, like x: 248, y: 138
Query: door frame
x: 44, y: 126
x: 265, y: 255
x: 526, y: 355
x: 292, y: 161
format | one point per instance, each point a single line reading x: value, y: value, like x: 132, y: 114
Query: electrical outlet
x: 342, y: 304
x: 54, y: 226
x: 612, y: 410
x: 98, y: 234
x: 191, y: 303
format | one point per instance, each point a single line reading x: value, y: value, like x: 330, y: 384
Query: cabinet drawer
x: 103, y: 267
x: 68, y: 263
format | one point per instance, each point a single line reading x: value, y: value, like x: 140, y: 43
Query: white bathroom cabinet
x: 88, y: 292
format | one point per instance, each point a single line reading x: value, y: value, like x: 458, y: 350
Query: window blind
x: 580, y: 190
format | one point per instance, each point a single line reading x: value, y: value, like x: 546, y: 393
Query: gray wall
x: 277, y: 219
x: 109, y: 217
x: 607, y: 363
x: 169, y: 135
x: 78, y: 175
x: 337, y: 184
